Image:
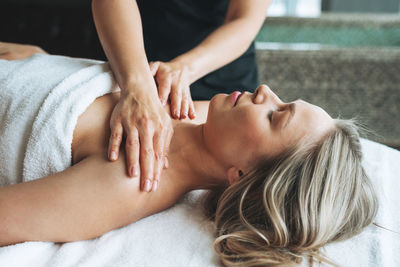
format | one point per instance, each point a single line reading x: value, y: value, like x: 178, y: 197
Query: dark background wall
x: 60, y: 27
x: 66, y: 26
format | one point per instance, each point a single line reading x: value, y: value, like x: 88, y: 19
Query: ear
x: 234, y: 174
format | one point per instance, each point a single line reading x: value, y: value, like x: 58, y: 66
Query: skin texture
x: 258, y: 123
x: 138, y: 116
x: 11, y: 51
x: 95, y: 196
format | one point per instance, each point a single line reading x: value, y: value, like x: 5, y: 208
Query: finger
x: 192, y: 111
x: 164, y: 87
x: 154, y: 67
x: 115, y: 141
x: 166, y: 146
x: 132, y: 149
x: 146, y: 158
x: 166, y: 163
x: 185, y: 106
x: 176, y: 99
x: 159, y: 158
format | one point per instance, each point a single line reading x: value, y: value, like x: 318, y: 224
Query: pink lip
x: 235, y: 97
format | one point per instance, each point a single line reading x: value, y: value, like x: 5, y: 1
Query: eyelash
x: 270, y: 115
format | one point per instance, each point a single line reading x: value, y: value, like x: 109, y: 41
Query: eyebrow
x: 292, y: 109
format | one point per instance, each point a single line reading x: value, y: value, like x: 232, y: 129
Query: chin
x: 219, y: 100
x: 216, y: 105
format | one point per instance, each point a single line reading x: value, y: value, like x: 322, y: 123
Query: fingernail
x: 155, y: 186
x: 147, y: 187
x: 113, y: 155
x: 134, y: 171
x: 165, y: 166
x: 164, y: 101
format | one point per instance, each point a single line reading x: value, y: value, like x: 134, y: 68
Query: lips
x: 235, y: 97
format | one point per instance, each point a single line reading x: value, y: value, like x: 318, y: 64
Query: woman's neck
x: 191, y: 165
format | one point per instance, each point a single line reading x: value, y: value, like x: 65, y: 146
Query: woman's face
x: 241, y: 130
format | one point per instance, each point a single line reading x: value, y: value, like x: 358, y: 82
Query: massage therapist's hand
x: 173, y: 80
x: 148, y: 130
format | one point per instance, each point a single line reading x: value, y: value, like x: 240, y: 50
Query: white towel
x: 41, y: 99
x: 179, y: 236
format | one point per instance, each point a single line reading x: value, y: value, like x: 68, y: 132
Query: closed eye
x: 270, y: 115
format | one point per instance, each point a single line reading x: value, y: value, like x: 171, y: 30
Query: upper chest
x: 92, y: 131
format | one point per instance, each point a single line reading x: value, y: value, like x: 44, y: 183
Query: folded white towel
x: 41, y: 99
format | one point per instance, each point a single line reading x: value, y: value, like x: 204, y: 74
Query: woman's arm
x: 139, y: 114
x: 11, y: 51
x: 119, y: 27
x: 82, y: 202
x: 243, y: 20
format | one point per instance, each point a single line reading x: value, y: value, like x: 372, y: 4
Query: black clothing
x: 173, y: 27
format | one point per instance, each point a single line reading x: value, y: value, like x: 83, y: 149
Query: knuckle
x: 148, y: 151
x: 175, y: 93
x: 158, y: 155
x: 133, y: 142
x: 116, y: 136
x: 142, y: 121
x: 148, y: 127
x: 145, y: 123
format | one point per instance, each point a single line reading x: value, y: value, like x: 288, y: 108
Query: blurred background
x: 343, y: 55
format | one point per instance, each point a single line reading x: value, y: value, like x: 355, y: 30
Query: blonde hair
x: 291, y: 206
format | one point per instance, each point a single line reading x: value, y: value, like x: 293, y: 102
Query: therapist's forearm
x: 221, y: 47
x: 119, y: 27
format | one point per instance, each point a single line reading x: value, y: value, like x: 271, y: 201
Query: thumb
x: 154, y: 67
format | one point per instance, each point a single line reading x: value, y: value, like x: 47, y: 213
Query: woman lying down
x: 285, y: 179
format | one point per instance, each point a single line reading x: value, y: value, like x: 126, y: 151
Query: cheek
x: 259, y: 137
x: 239, y: 132
x: 253, y: 130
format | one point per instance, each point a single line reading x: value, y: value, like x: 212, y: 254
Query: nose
x: 264, y: 93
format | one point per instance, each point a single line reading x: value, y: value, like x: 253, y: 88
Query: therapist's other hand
x: 148, y: 130
x: 12, y: 51
x: 173, y: 81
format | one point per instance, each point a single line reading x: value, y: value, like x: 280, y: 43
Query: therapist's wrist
x: 139, y: 85
x: 187, y: 65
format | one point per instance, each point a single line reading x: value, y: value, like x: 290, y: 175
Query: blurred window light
x: 300, y: 8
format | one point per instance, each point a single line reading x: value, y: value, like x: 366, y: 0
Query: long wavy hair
x: 290, y: 206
